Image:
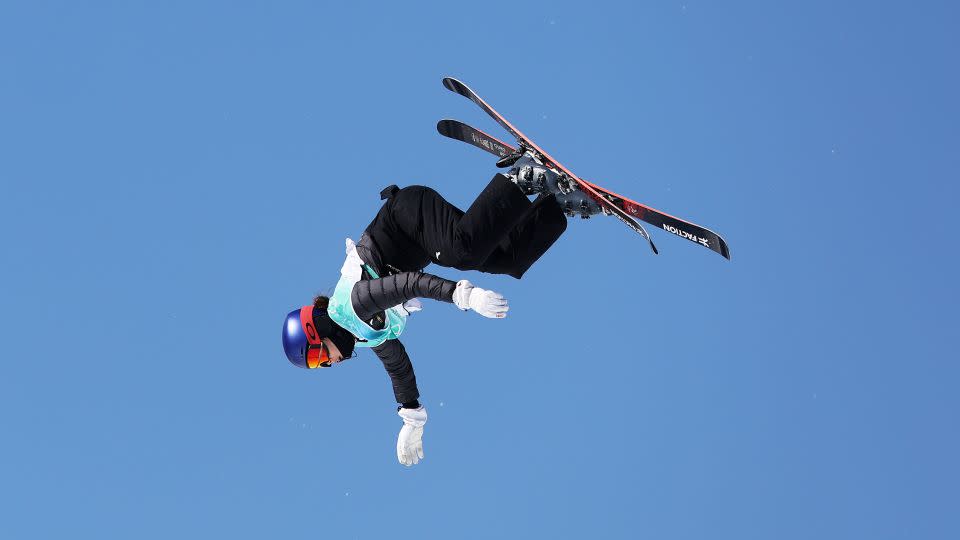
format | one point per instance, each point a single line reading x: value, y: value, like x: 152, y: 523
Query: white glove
x: 487, y: 303
x: 412, y: 306
x: 410, y: 440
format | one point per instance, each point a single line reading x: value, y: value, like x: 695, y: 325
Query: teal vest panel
x: 341, y: 311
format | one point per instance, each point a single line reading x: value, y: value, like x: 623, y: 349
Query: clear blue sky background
x: 176, y: 176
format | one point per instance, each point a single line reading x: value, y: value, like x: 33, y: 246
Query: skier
x: 502, y: 232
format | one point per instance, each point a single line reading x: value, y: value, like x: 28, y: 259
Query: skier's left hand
x: 412, y: 306
x: 487, y: 303
x: 410, y: 440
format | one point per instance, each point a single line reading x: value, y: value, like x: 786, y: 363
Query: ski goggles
x: 317, y: 354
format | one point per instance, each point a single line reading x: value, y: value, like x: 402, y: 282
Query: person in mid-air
x: 502, y: 232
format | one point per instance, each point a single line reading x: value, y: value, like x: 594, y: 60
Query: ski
x: 455, y: 129
x: 527, y: 145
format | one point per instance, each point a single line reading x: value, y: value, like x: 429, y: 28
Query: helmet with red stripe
x: 303, y: 333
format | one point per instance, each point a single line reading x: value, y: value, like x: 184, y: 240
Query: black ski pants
x: 502, y: 232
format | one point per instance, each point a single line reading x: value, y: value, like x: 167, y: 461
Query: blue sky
x: 177, y: 176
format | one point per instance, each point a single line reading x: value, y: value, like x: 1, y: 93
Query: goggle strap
x: 306, y: 321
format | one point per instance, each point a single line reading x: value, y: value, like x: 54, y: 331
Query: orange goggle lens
x: 317, y: 356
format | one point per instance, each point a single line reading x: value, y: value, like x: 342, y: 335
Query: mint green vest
x: 341, y: 309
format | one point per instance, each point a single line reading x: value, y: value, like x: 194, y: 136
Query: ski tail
x: 674, y: 225
x: 638, y: 228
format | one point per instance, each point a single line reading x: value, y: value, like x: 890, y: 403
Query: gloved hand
x: 487, y: 303
x: 410, y: 440
x: 411, y: 306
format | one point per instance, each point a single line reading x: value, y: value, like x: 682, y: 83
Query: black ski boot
x: 533, y: 177
x: 578, y: 203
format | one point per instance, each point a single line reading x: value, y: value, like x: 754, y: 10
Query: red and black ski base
x: 611, y: 203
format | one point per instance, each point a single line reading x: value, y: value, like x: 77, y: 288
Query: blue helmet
x: 303, y: 333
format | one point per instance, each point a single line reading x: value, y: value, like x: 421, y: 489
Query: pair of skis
x: 610, y: 203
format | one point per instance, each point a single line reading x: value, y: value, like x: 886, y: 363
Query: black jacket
x: 370, y: 297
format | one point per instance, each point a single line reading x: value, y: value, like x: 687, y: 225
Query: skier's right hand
x: 487, y: 303
x: 410, y: 439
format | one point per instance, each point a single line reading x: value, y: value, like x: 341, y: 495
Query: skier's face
x: 324, y: 354
x: 332, y: 351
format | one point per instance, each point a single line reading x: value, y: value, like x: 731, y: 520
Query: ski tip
x: 454, y: 85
